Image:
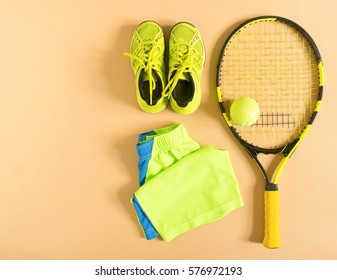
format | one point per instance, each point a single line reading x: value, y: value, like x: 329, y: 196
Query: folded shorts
x: 194, y: 186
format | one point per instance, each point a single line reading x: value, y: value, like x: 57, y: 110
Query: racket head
x: 277, y: 63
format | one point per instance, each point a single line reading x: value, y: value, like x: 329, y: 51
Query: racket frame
x: 287, y: 150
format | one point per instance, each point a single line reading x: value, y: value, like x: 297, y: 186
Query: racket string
x: 275, y: 65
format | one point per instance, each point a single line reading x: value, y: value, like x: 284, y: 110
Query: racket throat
x: 271, y: 187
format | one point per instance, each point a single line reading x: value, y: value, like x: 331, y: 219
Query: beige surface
x: 69, y: 122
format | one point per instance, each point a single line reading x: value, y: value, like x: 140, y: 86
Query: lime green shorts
x: 182, y: 185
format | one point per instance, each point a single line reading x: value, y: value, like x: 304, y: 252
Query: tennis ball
x: 244, y: 111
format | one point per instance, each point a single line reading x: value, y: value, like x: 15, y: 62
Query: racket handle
x: 271, y: 230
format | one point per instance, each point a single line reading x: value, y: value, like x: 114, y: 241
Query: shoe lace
x: 182, y: 60
x: 147, y: 58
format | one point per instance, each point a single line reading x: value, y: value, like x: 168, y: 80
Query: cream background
x: 69, y: 122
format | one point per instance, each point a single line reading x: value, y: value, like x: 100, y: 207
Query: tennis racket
x: 274, y: 61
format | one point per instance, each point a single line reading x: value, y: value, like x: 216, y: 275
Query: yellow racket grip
x: 271, y: 223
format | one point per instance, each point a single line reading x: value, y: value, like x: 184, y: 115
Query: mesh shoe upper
x: 147, y: 59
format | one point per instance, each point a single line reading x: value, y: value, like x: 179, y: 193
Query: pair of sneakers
x: 186, y: 53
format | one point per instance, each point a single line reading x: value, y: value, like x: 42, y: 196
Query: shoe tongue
x: 146, y: 77
x: 184, y: 76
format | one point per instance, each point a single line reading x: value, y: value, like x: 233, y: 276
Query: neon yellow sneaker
x: 147, y: 53
x: 186, y: 62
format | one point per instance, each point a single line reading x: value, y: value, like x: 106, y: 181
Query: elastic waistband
x: 163, y: 139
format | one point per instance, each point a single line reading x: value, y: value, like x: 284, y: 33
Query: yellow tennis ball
x: 244, y: 111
